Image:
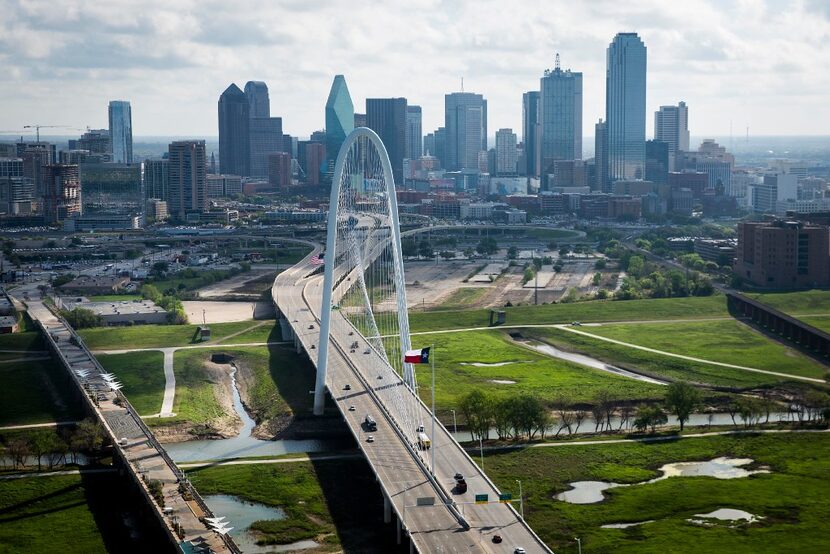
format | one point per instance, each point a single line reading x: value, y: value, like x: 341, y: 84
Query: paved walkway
x: 169, y: 384
x: 55, y: 473
x: 291, y: 460
x: 26, y: 359
x: 38, y: 425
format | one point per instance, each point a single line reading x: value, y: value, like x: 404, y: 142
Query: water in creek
x: 589, y: 492
x: 594, y: 363
x: 244, y: 445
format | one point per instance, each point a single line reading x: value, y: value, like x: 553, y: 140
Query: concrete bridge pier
x: 387, y: 509
x: 398, y: 526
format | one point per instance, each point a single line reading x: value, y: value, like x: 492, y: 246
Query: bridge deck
x: 400, y: 469
x: 142, y: 453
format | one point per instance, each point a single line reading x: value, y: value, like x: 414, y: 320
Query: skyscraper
x: 339, y: 116
x: 506, y: 152
x: 560, y: 114
x: 234, y: 133
x: 266, y: 137
x: 121, y: 131
x: 531, y: 132
x: 62, y: 194
x: 387, y: 117
x: 414, y: 134
x: 187, y: 185
x: 601, y: 157
x: 156, y: 179
x: 465, y: 121
x: 259, y: 104
x: 671, y: 125
x: 625, y: 107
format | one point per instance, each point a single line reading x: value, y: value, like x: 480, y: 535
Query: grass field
x: 792, y: 499
x: 464, y: 297
x: 157, y: 336
x: 817, y: 321
x: 35, y: 392
x: 335, y: 502
x: 29, y: 341
x: 281, y: 383
x: 656, y: 365
x: 114, y: 297
x: 196, y: 400
x: 803, y: 302
x: 67, y: 513
x: 722, y: 341
x: 142, y: 374
x: 532, y: 372
x: 596, y: 311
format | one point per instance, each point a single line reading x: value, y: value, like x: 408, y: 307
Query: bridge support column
x: 387, y: 509
x: 398, y: 526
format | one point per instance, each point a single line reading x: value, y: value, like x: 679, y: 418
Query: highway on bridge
x: 455, y: 523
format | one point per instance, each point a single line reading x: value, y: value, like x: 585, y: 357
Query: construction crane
x: 37, y: 128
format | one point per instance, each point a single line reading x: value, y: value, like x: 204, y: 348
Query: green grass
x: 158, y: 336
x: 142, y: 374
x: 792, y: 499
x: 817, y: 321
x: 594, y: 311
x: 71, y: 513
x: 28, y: 341
x: 335, y: 502
x: 534, y: 373
x: 47, y: 514
x: 196, y: 400
x: 804, y: 302
x: 656, y: 365
x: 464, y: 297
x: 281, y: 382
x: 269, y: 331
x: 36, y: 392
x: 728, y: 342
x: 114, y: 297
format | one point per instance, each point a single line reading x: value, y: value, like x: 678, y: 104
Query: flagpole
x: 434, y: 442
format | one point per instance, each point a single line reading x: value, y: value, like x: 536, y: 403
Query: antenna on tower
x: 557, y: 62
x: 462, y: 84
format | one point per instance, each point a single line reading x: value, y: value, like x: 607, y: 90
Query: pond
x: 241, y: 514
x: 589, y: 492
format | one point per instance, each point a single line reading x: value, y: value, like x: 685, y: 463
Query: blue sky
x: 751, y: 62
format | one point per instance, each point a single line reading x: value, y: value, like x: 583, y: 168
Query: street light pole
x: 454, y: 424
x: 434, y: 443
x: 481, y: 451
x: 579, y: 544
x: 521, y: 501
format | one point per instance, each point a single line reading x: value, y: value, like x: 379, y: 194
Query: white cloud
x: 765, y: 64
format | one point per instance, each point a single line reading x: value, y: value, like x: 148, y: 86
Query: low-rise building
x: 9, y: 324
x: 124, y: 312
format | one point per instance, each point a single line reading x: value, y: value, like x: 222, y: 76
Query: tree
x: 469, y: 252
x: 636, y: 266
x: 41, y: 443
x: 649, y: 417
x: 447, y: 254
x: 487, y: 245
x: 160, y: 268
x: 502, y: 418
x: 682, y: 399
x: 18, y: 450
x: 564, y: 251
x: 409, y: 247
x: 82, y: 318
x: 600, y: 263
x: 512, y: 252
x: 62, y: 279
x: 425, y: 249
x: 89, y: 436
x: 477, y: 408
x: 596, y: 279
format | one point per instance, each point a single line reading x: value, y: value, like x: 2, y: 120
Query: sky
x: 740, y: 63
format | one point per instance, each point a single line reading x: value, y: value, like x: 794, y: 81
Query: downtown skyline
x: 761, y: 76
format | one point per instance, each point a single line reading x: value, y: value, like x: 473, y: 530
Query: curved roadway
x: 455, y: 523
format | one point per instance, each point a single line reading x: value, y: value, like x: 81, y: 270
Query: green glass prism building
x: 339, y: 116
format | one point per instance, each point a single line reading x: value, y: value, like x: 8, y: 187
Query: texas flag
x: 417, y: 356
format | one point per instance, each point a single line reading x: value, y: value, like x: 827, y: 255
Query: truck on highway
x: 423, y: 441
x: 370, y: 423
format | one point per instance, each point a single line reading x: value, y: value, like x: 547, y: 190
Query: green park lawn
x: 47, y: 514
x: 36, y: 392
x: 158, y: 336
x: 728, y: 342
x: 817, y: 321
x: 196, y: 401
x: 341, y: 513
x: 142, y: 374
x: 114, y: 297
x: 594, y: 311
x: 656, y: 365
x: 27, y: 341
x: 797, y: 303
x: 791, y: 499
x: 533, y: 373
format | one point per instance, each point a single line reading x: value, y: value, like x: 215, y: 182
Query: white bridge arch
x: 363, y: 284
